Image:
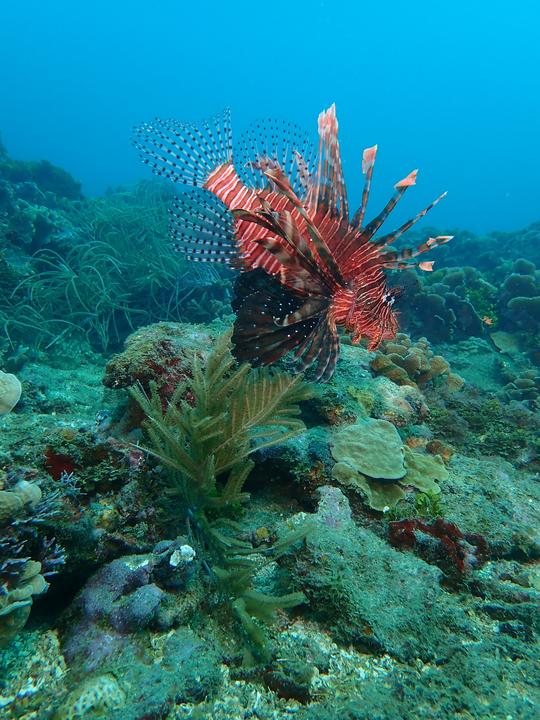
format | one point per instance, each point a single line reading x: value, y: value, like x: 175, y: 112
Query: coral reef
x: 92, y: 268
x: 233, y: 413
x: 413, y: 363
x: 21, y: 577
x: 350, y: 575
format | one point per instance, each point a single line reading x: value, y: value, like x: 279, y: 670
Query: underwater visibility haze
x: 270, y: 398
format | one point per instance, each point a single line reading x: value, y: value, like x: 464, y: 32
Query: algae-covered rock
x: 160, y: 353
x: 372, y: 595
x: 487, y: 496
x: 100, y: 694
x: 147, y: 680
x: 493, y: 679
x: 384, y: 400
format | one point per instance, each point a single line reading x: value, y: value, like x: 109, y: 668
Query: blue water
x: 450, y: 87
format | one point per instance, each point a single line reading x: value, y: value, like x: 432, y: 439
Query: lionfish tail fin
x: 368, y: 163
x: 202, y: 228
x: 185, y: 153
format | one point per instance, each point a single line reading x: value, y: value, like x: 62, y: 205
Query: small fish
x: 487, y: 320
x: 278, y: 211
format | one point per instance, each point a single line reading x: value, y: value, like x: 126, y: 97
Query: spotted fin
x: 320, y: 350
x: 284, y: 145
x: 185, y: 153
x: 271, y: 322
x: 202, y: 228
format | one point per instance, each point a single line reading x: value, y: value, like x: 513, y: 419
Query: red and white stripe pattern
x: 293, y: 226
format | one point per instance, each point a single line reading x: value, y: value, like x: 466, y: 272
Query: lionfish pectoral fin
x: 202, y: 228
x: 261, y: 334
x: 310, y: 308
x: 320, y: 350
x: 260, y: 302
x: 184, y: 153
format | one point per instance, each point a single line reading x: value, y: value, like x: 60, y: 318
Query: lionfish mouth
x: 278, y: 211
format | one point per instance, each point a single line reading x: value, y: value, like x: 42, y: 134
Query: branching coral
x: 207, y: 445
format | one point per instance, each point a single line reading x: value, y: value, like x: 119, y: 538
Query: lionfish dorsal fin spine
x: 386, y: 240
x: 331, y: 190
x: 319, y: 249
x: 400, y: 188
x: 399, y: 259
x: 368, y: 163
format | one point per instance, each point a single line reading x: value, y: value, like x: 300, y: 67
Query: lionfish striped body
x: 283, y: 220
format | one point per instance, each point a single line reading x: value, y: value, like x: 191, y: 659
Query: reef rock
x: 372, y: 595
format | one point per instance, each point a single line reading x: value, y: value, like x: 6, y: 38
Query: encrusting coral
x: 372, y: 459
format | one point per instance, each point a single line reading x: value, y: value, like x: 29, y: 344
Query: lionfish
x: 280, y: 214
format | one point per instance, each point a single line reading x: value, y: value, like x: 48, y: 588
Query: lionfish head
x: 374, y: 320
